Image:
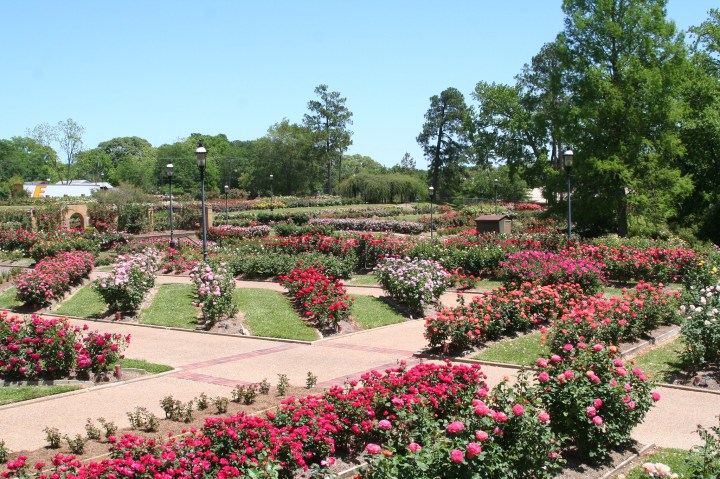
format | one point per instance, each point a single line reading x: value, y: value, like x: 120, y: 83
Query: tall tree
x: 624, y: 68
x: 329, y: 119
x: 66, y: 134
x: 445, y: 138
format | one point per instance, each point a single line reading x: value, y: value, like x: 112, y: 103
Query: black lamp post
x: 227, y: 221
x: 495, y: 181
x: 200, y: 154
x: 272, y: 194
x: 432, y: 223
x: 169, y: 169
x: 568, y: 163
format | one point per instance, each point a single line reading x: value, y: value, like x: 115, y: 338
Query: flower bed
x: 20, y: 240
x: 498, y: 312
x: 405, y: 227
x: 616, y: 320
x: 124, y: 288
x: 40, y: 348
x: 416, y: 283
x: 320, y: 298
x: 53, y: 277
x: 223, y: 233
x: 545, y: 267
x: 701, y: 328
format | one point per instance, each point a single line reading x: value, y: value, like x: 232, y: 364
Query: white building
x: 58, y: 190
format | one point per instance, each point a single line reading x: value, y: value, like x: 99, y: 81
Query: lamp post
x: 169, y: 170
x: 200, y: 154
x: 568, y: 163
x: 495, y: 181
x: 272, y: 194
x: 432, y: 224
x: 227, y: 221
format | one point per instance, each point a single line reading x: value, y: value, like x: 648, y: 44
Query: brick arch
x: 80, y: 210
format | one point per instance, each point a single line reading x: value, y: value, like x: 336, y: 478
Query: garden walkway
x: 214, y: 364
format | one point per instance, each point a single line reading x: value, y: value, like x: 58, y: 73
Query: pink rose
x: 598, y: 420
x: 598, y: 402
x: 590, y: 411
x: 385, y: 425
x: 518, y: 410
x: 457, y: 455
x: 543, y: 377
x: 473, y: 449
x: 655, y: 396
x: 414, y: 447
x: 481, y: 436
x: 544, y: 417
x: 455, y: 426
x: 373, y: 448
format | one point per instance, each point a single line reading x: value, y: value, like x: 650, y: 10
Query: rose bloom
x: 457, y: 455
x: 518, y: 410
x: 591, y: 411
x: 456, y: 426
x: 655, y: 396
x: 414, y: 447
x: 598, y: 347
x: 598, y: 402
x: 385, y: 425
x: 598, y: 420
x: 543, y: 377
x: 473, y: 449
x: 481, y: 436
x: 544, y: 417
x: 373, y: 448
x: 500, y: 416
x: 555, y: 358
x: 542, y: 362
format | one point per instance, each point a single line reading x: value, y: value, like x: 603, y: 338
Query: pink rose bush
x: 593, y: 397
x: 225, y: 233
x: 544, y: 267
x: 42, y: 348
x: 318, y: 297
x: 124, y: 288
x: 213, y: 288
x: 53, y: 277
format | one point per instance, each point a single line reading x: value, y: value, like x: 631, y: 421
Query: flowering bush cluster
x: 428, y: 421
x: 181, y: 259
x: 320, y: 298
x: 229, y: 232
x: 453, y: 219
x: 20, y: 240
x: 40, y: 348
x: 545, y: 267
x: 213, y: 288
x: 311, y: 243
x: 406, y: 227
x: 372, y: 248
x: 59, y: 242
x: 594, y: 397
x: 414, y: 282
x: 498, y: 312
x: 623, y: 262
x: 617, y: 319
x: 53, y: 277
x: 102, y: 216
x: 124, y: 288
x: 701, y: 328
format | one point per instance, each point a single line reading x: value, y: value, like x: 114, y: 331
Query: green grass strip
x: 86, y: 303
x: 11, y: 394
x: 522, y: 350
x: 7, y: 299
x: 664, y: 362
x: 172, y: 307
x: 370, y: 312
x: 675, y: 458
x: 362, y: 280
x: 152, y: 368
x: 269, y: 313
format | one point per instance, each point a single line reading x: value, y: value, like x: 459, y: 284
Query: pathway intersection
x: 214, y: 364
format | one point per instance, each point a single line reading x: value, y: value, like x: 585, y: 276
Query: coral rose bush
x: 544, y: 267
x: 53, y: 277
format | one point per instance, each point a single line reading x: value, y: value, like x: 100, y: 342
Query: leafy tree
x: 624, y: 67
x: 445, y: 139
x: 67, y: 135
x: 328, y: 119
x: 383, y: 188
x: 25, y: 158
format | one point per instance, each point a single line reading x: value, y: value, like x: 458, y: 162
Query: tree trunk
x: 622, y: 213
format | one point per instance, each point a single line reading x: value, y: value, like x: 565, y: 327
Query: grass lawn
x: 86, y: 303
x: 487, y: 284
x: 152, y: 368
x: 675, y: 458
x: 172, y: 306
x: 522, y: 350
x: 663, y: 362
x: 7, y: 299
x: 370, y: 312
x: 269, y: 313
x: 11, y: 394
x: 363, y: 280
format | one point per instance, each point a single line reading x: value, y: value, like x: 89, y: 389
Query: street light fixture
x: 568, y: 164
x: 495, y: 181
x: 227, y: 221
x: 272, y: 194
x: 169, y: 170
x: 432, y: 224
x: 200, y: 154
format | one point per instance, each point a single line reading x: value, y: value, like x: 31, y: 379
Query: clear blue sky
x: 163, y: 69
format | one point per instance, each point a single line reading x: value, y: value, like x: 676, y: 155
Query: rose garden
x: 593, y: 327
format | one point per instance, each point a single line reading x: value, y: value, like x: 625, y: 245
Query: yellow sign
x: 39, y: 191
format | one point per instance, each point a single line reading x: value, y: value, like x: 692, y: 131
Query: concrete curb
x: 625, y: 462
